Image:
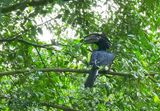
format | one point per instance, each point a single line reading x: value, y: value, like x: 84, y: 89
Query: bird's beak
x: 91, y: 39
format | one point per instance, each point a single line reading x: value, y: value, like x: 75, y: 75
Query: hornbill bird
x: 99, y: 57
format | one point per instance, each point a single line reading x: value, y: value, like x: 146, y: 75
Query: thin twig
x: 46, y: 46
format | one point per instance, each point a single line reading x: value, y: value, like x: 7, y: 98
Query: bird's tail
x: 92, y: 77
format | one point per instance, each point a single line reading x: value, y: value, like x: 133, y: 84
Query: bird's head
x: 92, y: 38
x: 98, y: 39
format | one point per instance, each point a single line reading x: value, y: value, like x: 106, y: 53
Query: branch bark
x: 53, y: 105
x: 8, y: 73
x: 64, y: 108
x: 46, y: 46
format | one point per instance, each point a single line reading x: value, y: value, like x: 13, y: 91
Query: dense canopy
x: 44, y: 61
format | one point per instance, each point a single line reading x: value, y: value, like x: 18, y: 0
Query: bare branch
x: 36, y: 45
x: 53, y: 105
x: 64, y: 108
x: 7, y: 73
x: 46, y: 46
x: 8, y: 39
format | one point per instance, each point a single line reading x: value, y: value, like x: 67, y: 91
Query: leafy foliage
x: 132, y: 26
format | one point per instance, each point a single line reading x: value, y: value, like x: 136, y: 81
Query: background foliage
x: 133, y: 27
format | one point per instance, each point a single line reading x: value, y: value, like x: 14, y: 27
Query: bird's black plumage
x: 99, y: 57
x: 99, y: 39
x: 92, y: 77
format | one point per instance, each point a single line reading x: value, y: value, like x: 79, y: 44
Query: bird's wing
x: 101, y: 58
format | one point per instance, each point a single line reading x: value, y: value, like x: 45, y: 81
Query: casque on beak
x: 91, y: 39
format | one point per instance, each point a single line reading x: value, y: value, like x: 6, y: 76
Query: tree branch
x: 17, y: 38
x: 53, y: 105
x: 36, y: 45
x: 23, y: 5
x: 7, y: 73
x: 64, y: 108
x: 46, y: 46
